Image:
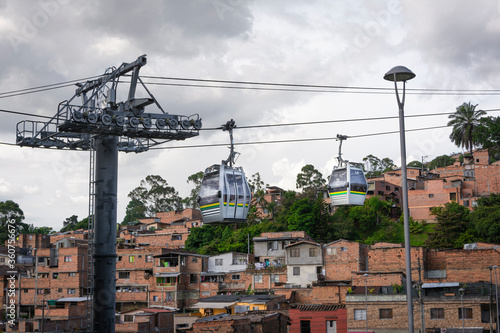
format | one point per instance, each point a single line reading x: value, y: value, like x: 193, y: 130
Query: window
x: 295, y: 253
x: 255, y: 308
x: 193, y: 278
x: 131, y: 258
x: 359, y: 314
x: 331, y: 326
x: 331, y: 251
x: 235, y: 277
x: 343, y: 249
x: 218, y: 262
x: 55, y: 275
x: 275, y: 278
x: 124, y: 275
x: 25, y: 291
x: 272, y: 245
x: 385, y: 313
x: 2, y: 259
x: 453, y: 196
x: 149, y: 258
x: 58, y: 290
x: 305, y: 326
x: 313, y: 252
x: 71, y: 291
x: 71, y: 274
x: 431, y: 195
x: 128, y: 319
x: 67, y: 258
x: 387, y: 187
x: 155, y: 298
x: 380, y: 192
x: 437, y: 313
x: 296, y: 271
x: 258, y: 278
x: 176, y: 237
x: 319, y: 269
x: 466, y: 203
x: 195, y: 259
x: 467, y: 313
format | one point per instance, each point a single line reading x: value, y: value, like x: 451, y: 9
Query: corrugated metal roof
x: 212, y: 305
x: 440, y: 285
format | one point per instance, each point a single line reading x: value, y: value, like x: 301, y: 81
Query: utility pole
x: 423, y: 162
x: 421, y: 296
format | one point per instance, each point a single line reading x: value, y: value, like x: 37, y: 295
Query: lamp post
x: 461, y: 292
x: 403, y: 74
x: 496, y: 290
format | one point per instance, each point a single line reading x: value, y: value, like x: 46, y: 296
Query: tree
x: 441, y: 161
x: 464, y: 123
x: 192, y: 200
x: 374, y: 167
x: 72, y: 223
x: 11, y: 216
x: 485, y: 219
x: 487, y: 135
x: 135, y: 210
x: 452, y: 223
x: 415, y: 164
x: 311, y: 215
x: 310, y: 179
x: 256, y: 183
x: 31, y: 229
x: 156, y: 195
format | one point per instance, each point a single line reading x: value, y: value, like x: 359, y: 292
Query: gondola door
x: 230, y: 200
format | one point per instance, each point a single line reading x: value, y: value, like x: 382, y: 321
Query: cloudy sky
x: 450, y: 46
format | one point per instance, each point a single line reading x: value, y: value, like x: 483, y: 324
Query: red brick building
x: 329, y: 318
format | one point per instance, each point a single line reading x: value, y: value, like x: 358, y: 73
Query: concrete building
x: 269, y: 248
x: 304, y: 262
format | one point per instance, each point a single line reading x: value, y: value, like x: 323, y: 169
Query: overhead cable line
x: 46, y: 87
x: 296, y: 140
x: 332, y: 88
x: 279, y: 141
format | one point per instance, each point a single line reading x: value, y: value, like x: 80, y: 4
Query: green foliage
x: 485, y: 219
x: 192, y: 200
x: 135, y: 210
x: 156, y: 195
x: 72, y: 223
x: 465, y: 121
x: 375, y: 167
x: 310, y: 179
x: 416, y: 227
x: 452, y: 221
x: 415, y: 164
x: 487, y: 136
x: 313, y: 217
x: 441, y: 161
x: 10, y: 212
x: 31, y: 229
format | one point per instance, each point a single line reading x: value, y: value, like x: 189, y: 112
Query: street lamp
x: 403, y: 74
x: 461, y: 292
x: 496, y: 290
x: 366, y: 301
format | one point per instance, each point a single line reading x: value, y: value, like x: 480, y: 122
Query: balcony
x: 360, y: 298
x: 234, y: 285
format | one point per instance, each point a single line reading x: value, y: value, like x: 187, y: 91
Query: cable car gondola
x: 224, y: 195
x: 347, y: 185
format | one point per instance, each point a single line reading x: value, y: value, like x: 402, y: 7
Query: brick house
x: 342, y: 257
x: 329, y: 318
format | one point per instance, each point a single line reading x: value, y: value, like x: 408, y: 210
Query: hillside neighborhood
x: 288, y: 283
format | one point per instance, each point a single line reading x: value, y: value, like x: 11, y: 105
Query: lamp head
x: 402, y: 74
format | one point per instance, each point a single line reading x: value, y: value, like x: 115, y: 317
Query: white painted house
x: 228, y: 262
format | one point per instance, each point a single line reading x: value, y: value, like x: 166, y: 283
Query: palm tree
x: 464, y: 122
